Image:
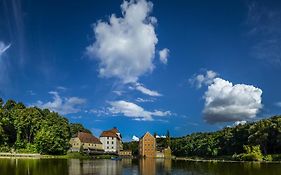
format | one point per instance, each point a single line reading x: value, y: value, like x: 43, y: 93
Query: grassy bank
x: 229, y: 158
x: 76, y: 155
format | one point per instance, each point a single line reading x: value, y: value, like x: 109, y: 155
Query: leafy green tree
x: 53, y: 137
x: 1, y: 102
x: 77, y: 127
x: 27, y: 122
x: 9, y: 105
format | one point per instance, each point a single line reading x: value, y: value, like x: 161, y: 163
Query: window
x: 108, y: 147
x: 107, y: 142
x: 107, y: 137
x: 112, y: 142
x: 112, y: 147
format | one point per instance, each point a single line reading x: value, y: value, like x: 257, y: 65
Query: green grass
x: 70, y: 155
x: 77, y: 155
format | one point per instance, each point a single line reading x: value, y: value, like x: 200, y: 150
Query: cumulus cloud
x: 132, y: 110
x: 163, y: 55
x: 203, y: 79
x: 125, y: 46
x: 225, y: 102
x: 62, y: 105
x: 135, y: 138
x: 243, y: 122
x: 3, y: 47
x: 146, y: 91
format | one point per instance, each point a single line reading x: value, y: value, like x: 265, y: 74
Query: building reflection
x: 150, y: 166
x: 79, y: 167
x: 147, y: 166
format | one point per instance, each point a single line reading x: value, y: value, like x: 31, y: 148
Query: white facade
x: 110, y: 144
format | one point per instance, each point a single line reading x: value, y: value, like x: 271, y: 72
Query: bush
x: 268, y: 158
x: 4, y: 149
x: 276, y: 157
x: 253, y: 153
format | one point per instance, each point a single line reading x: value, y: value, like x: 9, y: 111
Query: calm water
x: 128, y: 166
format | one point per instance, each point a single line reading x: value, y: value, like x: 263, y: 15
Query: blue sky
x: 182, y: 66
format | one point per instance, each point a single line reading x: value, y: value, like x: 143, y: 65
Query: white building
x: 111, y: 141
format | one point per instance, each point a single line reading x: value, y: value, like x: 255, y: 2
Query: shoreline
x: 86, y: 157
x: 220, y: 160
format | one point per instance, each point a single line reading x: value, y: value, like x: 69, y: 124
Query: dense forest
x: 31, y: 129
x: 262, y: 137
x: 34, y: 130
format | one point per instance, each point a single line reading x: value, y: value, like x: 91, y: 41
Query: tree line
x: 34, y: 130
x: 264, y: 135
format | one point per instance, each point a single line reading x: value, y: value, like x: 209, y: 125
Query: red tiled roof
x: 110, y: 133
x: 88, y: 138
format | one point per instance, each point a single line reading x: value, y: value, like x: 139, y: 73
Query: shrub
x: 253, y: 153
x: 268, y: 158
x: 4, y: 149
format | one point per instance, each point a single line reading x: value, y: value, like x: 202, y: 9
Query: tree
x: 168, y: 138
x: 53, y: 137
x: 27, y: 122
x: 9, y: 105
x: 77, y: 127
x: 1, y: 102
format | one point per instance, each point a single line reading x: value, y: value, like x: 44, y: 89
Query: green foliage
x: 32, y: 130
x: 228, y: 141
x: 30, y: 148
x: 268, y: 158
x: 134, y: 146
x: 4, y: 149
x: 77, y: 127
x: 253, y: 153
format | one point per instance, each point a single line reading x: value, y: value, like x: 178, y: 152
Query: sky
x: 183, y: 66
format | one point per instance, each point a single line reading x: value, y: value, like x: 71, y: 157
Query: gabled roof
x: 88, y: 138
x: 114, y: 132
x: 147, y: 133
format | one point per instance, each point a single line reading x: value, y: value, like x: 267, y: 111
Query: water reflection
x: 131, y: 166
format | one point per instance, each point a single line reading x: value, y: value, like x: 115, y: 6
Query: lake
x: 129, y: 166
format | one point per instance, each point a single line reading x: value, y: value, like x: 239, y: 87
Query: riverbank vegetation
x: 259, y: 140
x: 33, y: 130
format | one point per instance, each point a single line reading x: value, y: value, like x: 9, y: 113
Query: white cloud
x: 129, y: 109
x: 3, y: 48
x: 4, y: 68
x: 146, y: 91
x: 62, y: 105
x: 162, y: 136
x: 141, y: 100
x: 163, y: 55
x: 62, y: 88
x: 225, y: 102
x: 135, y: 138
x: 100, y: 112
x: 119, y: 93
x: 125, y: 46
x: 203, y: 79
x: 243, y: 122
